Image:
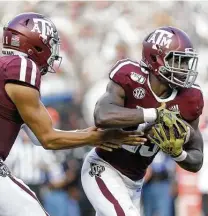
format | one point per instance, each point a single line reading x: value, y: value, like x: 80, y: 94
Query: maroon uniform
x: 116, y: 178
x: 31, y: 46
x: 133, y: 161
x: 14, y: 69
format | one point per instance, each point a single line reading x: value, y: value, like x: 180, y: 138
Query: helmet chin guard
x: 180, y: 68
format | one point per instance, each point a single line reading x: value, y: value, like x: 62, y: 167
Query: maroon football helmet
x: 33, y: 35
x: 169, y: 54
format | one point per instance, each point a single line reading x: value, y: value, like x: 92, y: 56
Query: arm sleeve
x: 194, y: 108
x: 120, y: 74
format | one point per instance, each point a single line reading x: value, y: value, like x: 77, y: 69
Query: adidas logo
x: 174, y: 108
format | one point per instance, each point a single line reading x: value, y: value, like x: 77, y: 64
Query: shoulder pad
x: 24, y: 70
x: 193, y: 107
x: 123, y: 70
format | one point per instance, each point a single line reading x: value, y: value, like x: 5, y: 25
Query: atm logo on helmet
x: 43, y: 27
x: 160, y: 37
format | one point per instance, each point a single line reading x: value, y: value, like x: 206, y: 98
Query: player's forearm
x: 118, y: 117
x: 57, y: 143
x: 113, y: 116
x: 193, y: 161
x: 66, y: 140
x: 194, y: 153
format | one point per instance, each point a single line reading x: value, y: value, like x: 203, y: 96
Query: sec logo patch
x: 139, y: 93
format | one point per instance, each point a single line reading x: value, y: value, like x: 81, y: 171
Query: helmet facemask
x: 180, y: 68
x: 54, y: 44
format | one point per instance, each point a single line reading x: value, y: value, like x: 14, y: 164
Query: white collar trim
x: 171, y: 97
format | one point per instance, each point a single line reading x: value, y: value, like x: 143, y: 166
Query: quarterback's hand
x: 110, y: 139
x: 169, y: 134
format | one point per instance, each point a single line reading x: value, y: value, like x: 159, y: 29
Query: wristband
x: 181, y: 157
x: 150, y: 115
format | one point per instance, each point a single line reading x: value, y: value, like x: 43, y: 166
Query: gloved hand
x: 169, y: 133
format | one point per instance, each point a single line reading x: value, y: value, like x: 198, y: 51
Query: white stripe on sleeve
x: 23, y: 68
x: 113, y: 72
x: 34, y: 72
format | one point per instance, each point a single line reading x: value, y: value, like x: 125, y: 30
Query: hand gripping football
x: 170, y: 132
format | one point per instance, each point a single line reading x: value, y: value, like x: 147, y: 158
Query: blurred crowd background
x: 94, y: 35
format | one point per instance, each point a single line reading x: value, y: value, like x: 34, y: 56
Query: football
x: 190, y: 133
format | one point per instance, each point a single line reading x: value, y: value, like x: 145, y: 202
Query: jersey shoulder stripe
x: 23, y: 69
x: 196, y: 86
x: 26, y: 74
x: 34, y: 73
x: 120, y: 64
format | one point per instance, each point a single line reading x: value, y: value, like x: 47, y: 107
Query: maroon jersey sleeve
x: 193, y: 107
x: 120, y: 74
x: 24, y: 71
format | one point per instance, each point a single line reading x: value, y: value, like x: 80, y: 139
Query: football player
x: 166, y: 73
x: 30, y: 48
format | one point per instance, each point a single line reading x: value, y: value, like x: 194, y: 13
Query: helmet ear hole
x: 39, y: 49
x: 153, y: 58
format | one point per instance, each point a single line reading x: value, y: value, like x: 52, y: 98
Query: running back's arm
x: 110, y: 111
x: 194, y: 149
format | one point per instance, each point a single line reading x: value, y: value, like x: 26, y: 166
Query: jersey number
x: 148, y: 151
x: 144, y: 150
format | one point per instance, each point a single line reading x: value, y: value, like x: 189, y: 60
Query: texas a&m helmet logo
x: 43, y: 27
x: 160, y: 37
x: 139, y: 93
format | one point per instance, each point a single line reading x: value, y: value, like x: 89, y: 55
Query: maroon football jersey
x: 23, y: 71
x: 130, y: 160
